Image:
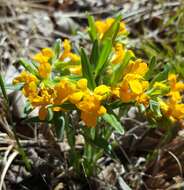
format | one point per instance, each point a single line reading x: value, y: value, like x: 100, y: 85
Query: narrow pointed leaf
x: 87, y: 69
x: 112, y: 120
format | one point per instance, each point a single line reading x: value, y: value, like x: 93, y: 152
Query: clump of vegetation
x: 97, y: 87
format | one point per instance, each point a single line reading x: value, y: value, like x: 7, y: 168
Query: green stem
x: 7, y: 106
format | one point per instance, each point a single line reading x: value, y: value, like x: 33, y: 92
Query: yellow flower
x: 44, y: 55
x: 44, y: 70
x: 164, y: 107
x: 175, y: 89
x: 74, y: 58
x: 90, y: 118
x: 63, y: 90
x: 91, y: 108
x: 30, y: 83
x: 25, y: 77
x: 76, y: 97
x: 42, y: 58
x: 178, y: 111
x: 122, y: 28
x: 119, y: 54
x: 136, y: 67
x: 30, y: 89
x: 81, y: 90
x: 102, y: 92
x: 67, y: 49
x: 115, y: 91
x: 173, y: 111
x: 132, y: 86
x: 103, y: 26
x: 82, y: 84
x: 43, y: 98
x: 143, y: 99
x: 174, y: 96
x: 174, y: 85
x: 76, y: 70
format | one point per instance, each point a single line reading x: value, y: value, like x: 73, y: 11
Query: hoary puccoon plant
x: 84, y: 91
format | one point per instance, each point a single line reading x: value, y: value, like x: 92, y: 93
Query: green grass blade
x: 87, y: 69
x: 94, y: 53
x: 104, y: 55
x: 3, y: 88
x: 92, y: 28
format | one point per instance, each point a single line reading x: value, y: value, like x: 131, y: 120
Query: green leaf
x: 118, y: 69
x: 60, y: 127
x: 87, y: 70
x: 162, y: 75
x: 152, y: 65
x: 28, y: 66
x: 94, y: 54
x: 104, y: 55
x: 50, y: 114
x: 92, y: 28
x: 112, y: 120
x: 3, y: 88
x: 57, y: 47
x: 155, y: 107
x: 15, y: 87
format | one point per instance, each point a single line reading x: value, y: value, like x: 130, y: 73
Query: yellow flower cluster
x: 68, y: 56
x: 43, y: 59
x: 131, y: 88
x: 77, y: 93
x: 173, y: 106
x: 133, y: 85
x: 46, y: 91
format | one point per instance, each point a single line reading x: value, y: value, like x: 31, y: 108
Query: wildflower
x: 30, y: 89
x: 90, y: 109
x: 115, y: 91
x: 43, y: 59
x: 81, y: 90
x: 44, y: 55
x: 89, y: 102
x: 30, y: 83
x: 102, y: 92
x: 174, y: 85
x: 175, y: 89
x: 74, y: 58
x: 103, y: 26
x: 42, y: 100
x: 132, y: 86
x: 25, y: 77
x: 44, y: 70
x: 173, y: 111
x: 119, y: 54
x: 63, y: 90
x: 136, y: 67
x: 143, y: 99
x: 76, y: 70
